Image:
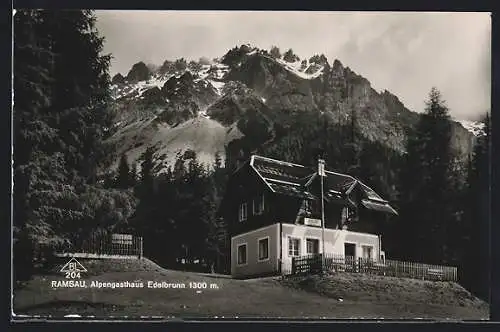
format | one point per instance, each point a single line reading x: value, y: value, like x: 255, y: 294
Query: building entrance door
x: 350, y: 249
x: 350, y: 257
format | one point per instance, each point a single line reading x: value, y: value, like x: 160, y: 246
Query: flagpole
x: 322, y: 173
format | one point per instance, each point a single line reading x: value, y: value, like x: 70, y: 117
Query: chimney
x: 318, y: 153
x: 321, y: 167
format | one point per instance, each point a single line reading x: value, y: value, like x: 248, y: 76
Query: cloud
x: 405, y: 53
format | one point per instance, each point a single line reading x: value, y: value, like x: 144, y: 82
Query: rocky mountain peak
x: 166, y: 67
x: 139, y: 72
x: 180, y: 64
x: 290, y: 57
x: 118, y: 79
x: 318, y: 59
x: 235, y: 55
x: 249, y: 91
x: 337, y: 68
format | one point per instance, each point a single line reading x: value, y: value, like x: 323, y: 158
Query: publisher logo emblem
x: 73, y: 269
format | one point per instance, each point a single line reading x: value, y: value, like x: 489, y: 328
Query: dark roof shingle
x: 294, y: 180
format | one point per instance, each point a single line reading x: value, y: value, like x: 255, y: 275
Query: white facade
x: 335, y: 241
x: 249, y: 244
x: 293, y: 240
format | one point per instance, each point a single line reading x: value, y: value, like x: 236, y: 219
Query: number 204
x: 72, y: 275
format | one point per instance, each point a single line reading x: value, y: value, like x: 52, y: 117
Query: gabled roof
x: 295, y: 180
x: 290, y: 189
x: 278, y: 170
x: 340, y: 186
x: 378, y: 206
x: 371, y: 194
x: 283, y: 177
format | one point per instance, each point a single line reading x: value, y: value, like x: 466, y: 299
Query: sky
x: 403, y: 52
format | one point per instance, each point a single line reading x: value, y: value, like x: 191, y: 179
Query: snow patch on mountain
x: 212, y: 73
x: 252, y: 52
x: 204, y: 72
x: 218, y: 86
x: 204, y: 113
x: 137, y: 89
x: 295, y: 68
x: 475, y: 127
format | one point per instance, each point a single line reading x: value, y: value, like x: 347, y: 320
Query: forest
x: 62, y: 114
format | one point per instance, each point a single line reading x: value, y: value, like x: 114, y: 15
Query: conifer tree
x: 79, y: 103
x: 426, y: 184
x: 123, y: 177
x: 60, y: 115
x: 218, y: 236
x: 133, y: 174
x: 147, y: 176
x: 32, y: 83
x: 475, y: 233
x: 60, y: 94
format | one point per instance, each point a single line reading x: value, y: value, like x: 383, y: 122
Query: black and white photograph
x: 251, y: 165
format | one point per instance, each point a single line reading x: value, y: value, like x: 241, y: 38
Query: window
x: 368, y: 252
x: 243, y: 212
x: 345, y: 215
x: 264, y: 249
x: 349, y: 249
x: 258, y: 205
x: 312, y: 207
x: 307, y: 205
x: 293, y: 247
x: 312, y: 246
x: 242, y: 254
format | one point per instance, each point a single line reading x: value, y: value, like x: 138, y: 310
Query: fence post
x: 294, y: 268
x: 324, y: 268
x: 140, y: 247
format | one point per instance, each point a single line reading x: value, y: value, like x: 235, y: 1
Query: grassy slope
x: 310, y: 297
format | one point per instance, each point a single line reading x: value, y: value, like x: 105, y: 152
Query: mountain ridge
x: 249, y: 86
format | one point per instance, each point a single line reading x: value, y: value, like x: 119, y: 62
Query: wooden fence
x: 390, y: 268
x: 100, y: 246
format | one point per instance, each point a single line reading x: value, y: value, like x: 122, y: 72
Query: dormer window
x: 243, y: 211
x: 348, y: 215
x: 307, y: 206
x: 311, y: 207
x: 345, y: 216
x: 258, y: 205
